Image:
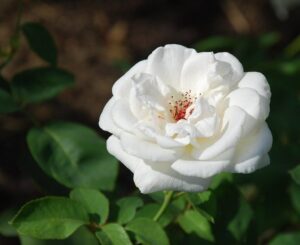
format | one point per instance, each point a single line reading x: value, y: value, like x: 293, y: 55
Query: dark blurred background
x: 99, y: 40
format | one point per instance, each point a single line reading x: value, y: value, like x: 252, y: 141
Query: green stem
x: 165, y: 204
x: 190, y: 202
x: 179, y: 194
x: 94, y: 227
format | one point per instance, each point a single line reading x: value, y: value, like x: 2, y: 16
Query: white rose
x: 180, y: 117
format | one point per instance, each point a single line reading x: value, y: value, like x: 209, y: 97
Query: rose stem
x: 165, y: 204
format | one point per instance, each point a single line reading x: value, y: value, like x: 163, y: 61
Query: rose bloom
x: 180, y: 117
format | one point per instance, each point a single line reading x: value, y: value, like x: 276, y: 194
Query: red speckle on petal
x: 179, y: 108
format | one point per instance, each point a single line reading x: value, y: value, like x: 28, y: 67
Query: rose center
x: 182, y: 107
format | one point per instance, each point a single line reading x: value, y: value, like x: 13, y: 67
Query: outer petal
x: 154, y: 178
x: 122, y: 115
x: 114, y: 147
x: 202, y: 169
x: 250, y: 101
x: 149, y: 178
x: 251, y: 152
x: 166, y: 63
x: 256, y: 81
x: 105, y: 121
x: 252, y: 164
x: 234, y: 62
x: 234, y: 120
x: 122, y: 86
x: 147, y: 150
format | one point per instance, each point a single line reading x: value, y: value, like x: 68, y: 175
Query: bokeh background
x: 99, y: 40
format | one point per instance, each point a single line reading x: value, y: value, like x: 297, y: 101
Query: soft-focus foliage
x: 73, y: 155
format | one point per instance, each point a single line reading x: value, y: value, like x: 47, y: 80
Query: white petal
x: 162, y: 140
x: 201, y: 109
x: 166, y: 63
x: 148, y: 97
x: 122, y: 86
x: 160, y: 177
x: 251, y: 151
x: 214, y: 96
x: 250, y: 101
x: 202, y: 169
x: 105, y: 121
x: 250, y: 154
x: 250, y: 165
x: 123, y: 116
x: 194, y: 72
x: 147, y: 150
x: 136, y: 106
x: 180, y: 129
x: 237, y: 67
x: 150, y: 91
x: 220, y: 73
x: 154, y: 178
x: 256, y: 81
x: 234, y: 120
x: 114, y: 147
x: 207, y: 126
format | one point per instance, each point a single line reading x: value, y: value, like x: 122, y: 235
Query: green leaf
x: 295, y: 173
x: 50, y: 218
x: 73, y: 155
x: 201, y: 197
x: 38, y: 84
x: 40, y: 41
x: 295, y: 196
x: 269, y: 39
x: 219, y: 179
x: 193, y: 221
x: 239, y: 224
x: 82, y: 236
x: 179, y: 203
x: 286, y: 239
x: 148, y: 232
x: 114, y: 235
x: 94, y: 201
x: 6, y: 229
x: 25, y: 240
x: 157, y: 196
x: 7, y: 103
x: 103, y: 238
x: 209, y: 207
x: 149, y: 211
x: 197, y: 200
x: 128, y: 207
x: 291, y: 67
x: 294, y: 47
